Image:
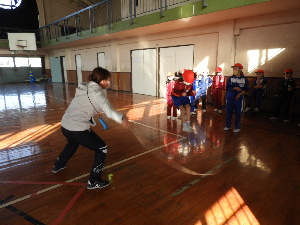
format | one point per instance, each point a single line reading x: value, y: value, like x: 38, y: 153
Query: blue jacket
x: 202, y: 85
x: 233, y: 81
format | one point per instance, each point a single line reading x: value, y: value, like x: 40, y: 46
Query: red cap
x: 288, y: 70
x: 238, y: 65
x: 260, y: 71
x: 218, y: 69
x: 188, y: 76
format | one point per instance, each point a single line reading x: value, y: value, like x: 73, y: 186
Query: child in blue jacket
x: 237, y: 85
x: 203, y: 84
x: 259, y: 89
x: 192, y: 98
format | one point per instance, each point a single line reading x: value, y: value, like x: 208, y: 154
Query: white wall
x: 219, y: 44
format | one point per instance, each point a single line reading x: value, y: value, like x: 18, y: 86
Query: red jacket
x: 219, y: 82
x: 180, y: 87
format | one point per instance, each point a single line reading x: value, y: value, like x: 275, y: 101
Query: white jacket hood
x: 80, y: 113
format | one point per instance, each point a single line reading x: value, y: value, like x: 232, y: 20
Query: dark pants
x: 90, y: 140
x: 255, y: 94
x: 203, y: 102
x: 286, y: 103
x: 237, y: 106
x: 217, y: 94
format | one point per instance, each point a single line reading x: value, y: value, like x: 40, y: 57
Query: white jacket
x: 80, y: 112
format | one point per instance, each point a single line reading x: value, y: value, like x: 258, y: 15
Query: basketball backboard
x: 27, y: 40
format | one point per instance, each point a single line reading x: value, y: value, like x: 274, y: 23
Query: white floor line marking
x: 85, y: 175
x: 155, y: 128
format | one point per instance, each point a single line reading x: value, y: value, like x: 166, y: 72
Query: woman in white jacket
x: 76, y: 124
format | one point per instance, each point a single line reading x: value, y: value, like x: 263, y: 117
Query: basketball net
x: 20, y: 48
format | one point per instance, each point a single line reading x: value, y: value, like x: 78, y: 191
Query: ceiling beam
x: 88, y: 2
x: 79, y: 3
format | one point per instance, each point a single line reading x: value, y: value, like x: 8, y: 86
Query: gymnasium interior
x: 158, y: 174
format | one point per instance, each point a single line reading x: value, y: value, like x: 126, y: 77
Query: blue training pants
x: 237, y: 106
x: 192, y: 98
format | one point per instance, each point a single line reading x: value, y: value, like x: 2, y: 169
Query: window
x: 10, y: 4
x: 7, y: 62
x: 35, y: 62
x: 21, y: 62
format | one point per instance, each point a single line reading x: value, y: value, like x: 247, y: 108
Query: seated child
x: 204, y: 83
x: 218, y: 85
x: 169, y: 87
x: 182, y: 89
x: 285, y: 95
x: 260, y: 84
x: 237, y: 85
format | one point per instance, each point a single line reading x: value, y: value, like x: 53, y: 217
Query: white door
x: 138, y: 72
x: 150, y: 72
x: 144, y: 72
x: 167, y: 64
x: 101, y: 60
x: 56, y: 69
x: 174, y: 59
x: 184, y: 57
x: 78, y: 69
x: 65, y: 69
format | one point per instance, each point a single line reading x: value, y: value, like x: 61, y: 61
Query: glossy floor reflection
x: 158, y: 174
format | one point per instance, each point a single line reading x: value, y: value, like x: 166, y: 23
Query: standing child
x: 237, y: 85
x: 78, y: 119
x: 258, y: 91
x: 285, y: 96
x: 170, y: 105
x: 182, y: 89
x: 218, y: 85
x: 204, y: 83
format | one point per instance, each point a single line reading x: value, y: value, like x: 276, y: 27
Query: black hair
x: 99, y: 74
x: 178, y: 76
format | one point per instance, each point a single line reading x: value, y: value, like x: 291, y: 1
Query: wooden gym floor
x: 158, y: 174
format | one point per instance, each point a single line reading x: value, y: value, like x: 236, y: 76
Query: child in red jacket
x: 182, y: 89
x: 218, y: 85
x: 169, y: 87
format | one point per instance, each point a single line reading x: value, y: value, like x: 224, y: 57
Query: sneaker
x: 236, y: 130
x: 286, y: 121
x: 248, y: 109
x: 179, y: 117
x: 256, y: 110
x: 226, y: 128
x: 174, y: 118
x: 195, y: 110
x: 204, y: 110
x: 274, y: 118
x: 220, y: 111
x: 188, y: 129
x: 216, y: 110
x: 193, y: 113
x: 97, y: 184
x: 169, y: 117
x: 55, y: 170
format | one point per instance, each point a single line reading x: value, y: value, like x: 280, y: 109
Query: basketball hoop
x: 20, y: 48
